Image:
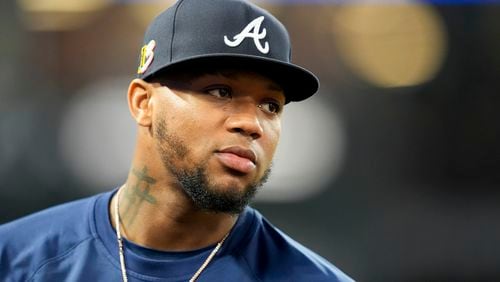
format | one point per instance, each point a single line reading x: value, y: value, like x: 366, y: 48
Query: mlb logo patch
x: 147, y: 55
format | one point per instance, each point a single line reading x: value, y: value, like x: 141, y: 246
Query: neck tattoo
x: 121, y: 247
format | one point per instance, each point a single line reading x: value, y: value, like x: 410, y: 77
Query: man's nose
x: 244, y: 119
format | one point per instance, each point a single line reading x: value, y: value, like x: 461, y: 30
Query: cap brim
x: 297, y: 82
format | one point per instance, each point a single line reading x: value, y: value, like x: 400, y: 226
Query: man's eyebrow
x: 229, y: 74
x: 274, y: 87
x: 234, y: 74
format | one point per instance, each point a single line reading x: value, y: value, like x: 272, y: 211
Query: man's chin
x: 216, y: 192
x: 231, y: 186
x: 232, y: 203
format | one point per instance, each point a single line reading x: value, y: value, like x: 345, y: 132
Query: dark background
x: 417, y: 197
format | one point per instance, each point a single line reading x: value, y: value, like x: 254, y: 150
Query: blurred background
x: 392, y: 171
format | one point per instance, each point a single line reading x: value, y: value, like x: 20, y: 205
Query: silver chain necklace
x: 122, y: 257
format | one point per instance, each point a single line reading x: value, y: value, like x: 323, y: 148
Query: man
x: 213, y: 79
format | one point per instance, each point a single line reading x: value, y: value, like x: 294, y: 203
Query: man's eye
x: 220, y: 92
x: 271, y: 107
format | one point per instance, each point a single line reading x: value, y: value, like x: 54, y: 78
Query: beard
x: 195, y: 181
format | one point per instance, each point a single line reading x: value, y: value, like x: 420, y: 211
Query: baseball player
x: 212, y: 82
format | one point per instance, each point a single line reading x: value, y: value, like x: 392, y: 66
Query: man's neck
x: 157, y: 214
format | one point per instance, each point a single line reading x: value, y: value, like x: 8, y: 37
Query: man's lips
x: 238, y: 158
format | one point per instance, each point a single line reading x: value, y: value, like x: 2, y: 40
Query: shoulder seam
x: 47, y: 261
x: 250, y: 268
x: 92, y: 221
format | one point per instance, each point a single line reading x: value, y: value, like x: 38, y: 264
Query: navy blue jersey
x: 76, y: 242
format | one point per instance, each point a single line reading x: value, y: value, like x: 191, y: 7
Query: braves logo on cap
x: 252, y: 30
x: 147, y: 55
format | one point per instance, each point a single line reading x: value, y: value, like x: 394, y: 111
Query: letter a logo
x: 251, y: 31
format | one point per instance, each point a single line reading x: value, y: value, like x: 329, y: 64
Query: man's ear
x: 139, y: 102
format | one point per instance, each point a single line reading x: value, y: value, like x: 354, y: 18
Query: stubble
x: 195, y: 181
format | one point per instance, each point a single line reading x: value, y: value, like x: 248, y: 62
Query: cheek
x: 182, y: 117
x: 174, y: 123
x: 196, y: 131
x: 271, y: 139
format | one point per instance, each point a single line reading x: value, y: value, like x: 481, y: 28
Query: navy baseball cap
x: 224, y: 33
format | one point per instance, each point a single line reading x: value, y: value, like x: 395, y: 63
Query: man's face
x: 217, y: 134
